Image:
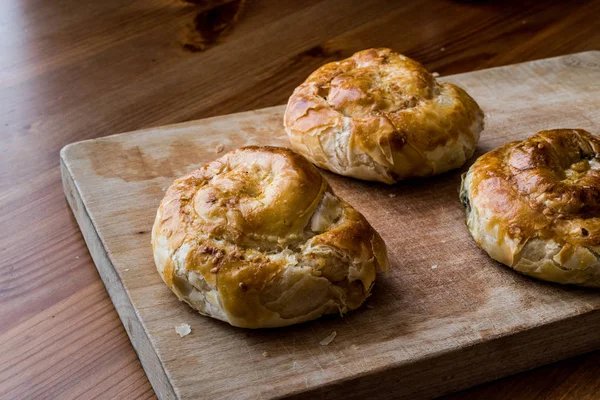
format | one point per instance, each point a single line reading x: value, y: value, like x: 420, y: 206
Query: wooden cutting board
x: 446, y: 318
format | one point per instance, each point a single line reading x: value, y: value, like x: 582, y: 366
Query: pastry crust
x: 535, y: 205
x: 381, y: 116
x: 258, y: 239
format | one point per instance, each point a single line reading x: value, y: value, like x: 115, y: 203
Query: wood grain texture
x: 73, y: 70
x: 429, y: 330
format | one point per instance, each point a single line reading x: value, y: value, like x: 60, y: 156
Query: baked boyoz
x: 534, y: 205
x: 381, y: 116
x: 257, y: 238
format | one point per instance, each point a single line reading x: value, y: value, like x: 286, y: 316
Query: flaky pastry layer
x: 381, y: 116
x: 258, y: 239
x: 534, y: 205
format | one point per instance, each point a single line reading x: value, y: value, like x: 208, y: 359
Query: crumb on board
x: 164, y: 188
x: 436, y: 74
x: 126, y: 269
x: 369, y: 306
x: 183, y: 330
x: 219, y: 148
x: 354, y: 347
x: 443, y: 49
x: 328, y: 339
x: 392, y: 194
x: 266, y: 354
x: 434, y: 266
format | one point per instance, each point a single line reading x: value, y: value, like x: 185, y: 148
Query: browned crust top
x: 250, y: 203
x: 392, y: 102
x: 546, y: 185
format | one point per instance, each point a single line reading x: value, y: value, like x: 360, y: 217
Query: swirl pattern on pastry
x: 258, y: 239
x: 534, y: 205
x: 381, y: 116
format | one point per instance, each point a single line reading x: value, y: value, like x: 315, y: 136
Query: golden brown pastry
x: 381, y: 116
x: 257, y: 238
x: 535, y: 205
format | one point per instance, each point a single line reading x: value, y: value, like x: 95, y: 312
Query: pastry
x: 381, y: 116
x: 534, y: 205
x: 258, y: 239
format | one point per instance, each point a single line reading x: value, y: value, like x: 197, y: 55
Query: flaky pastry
x: 258, y: 239
x: 535, y: 205
x: 381, y: 116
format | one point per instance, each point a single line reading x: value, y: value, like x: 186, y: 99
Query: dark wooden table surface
x: 73, y: 70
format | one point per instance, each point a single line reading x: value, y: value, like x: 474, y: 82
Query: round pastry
x: 381, y: 116
x: 258, y: 239
x: 535, y: 205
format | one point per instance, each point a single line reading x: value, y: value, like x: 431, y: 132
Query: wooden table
x: 73, y: 70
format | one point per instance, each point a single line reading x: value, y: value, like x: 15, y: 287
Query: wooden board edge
x: 450, y: 371
x: 591, y: 53
x: 179, y: 125
x: 595, y: 53
x: 129, y: 318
